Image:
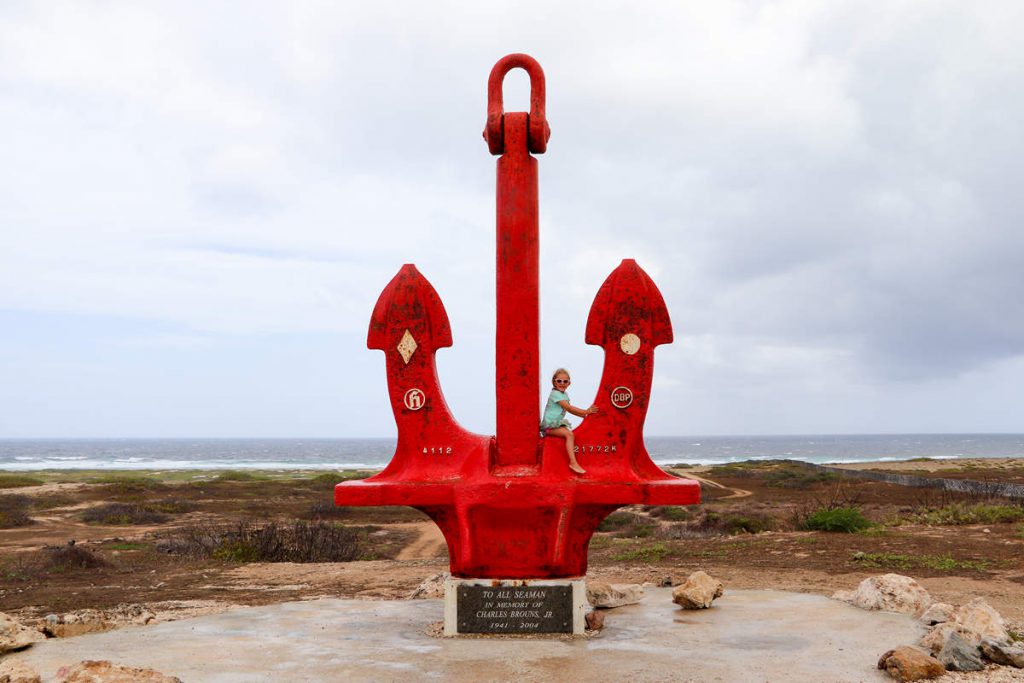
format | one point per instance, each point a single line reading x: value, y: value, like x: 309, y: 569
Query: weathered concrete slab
x: 747, y: 636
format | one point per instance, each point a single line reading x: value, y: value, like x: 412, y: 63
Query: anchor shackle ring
x: 538, y: 129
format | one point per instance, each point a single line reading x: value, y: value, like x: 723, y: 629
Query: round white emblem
x: 630, y: 344
x: 622, y: 397
x: 414, y: 399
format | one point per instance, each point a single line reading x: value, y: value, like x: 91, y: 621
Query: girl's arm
x: 578, y: 412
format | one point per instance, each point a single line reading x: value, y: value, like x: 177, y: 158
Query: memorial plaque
x: 515, y: 609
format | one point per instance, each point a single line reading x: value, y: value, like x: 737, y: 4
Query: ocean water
x: 315, y: 454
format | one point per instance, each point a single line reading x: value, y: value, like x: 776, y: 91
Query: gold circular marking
x: 630, y: 343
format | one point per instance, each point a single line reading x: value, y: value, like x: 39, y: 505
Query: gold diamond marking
x: 407, y: 346
x: 630, y: 344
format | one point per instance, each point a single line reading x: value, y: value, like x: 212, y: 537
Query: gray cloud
x: 826, y: 194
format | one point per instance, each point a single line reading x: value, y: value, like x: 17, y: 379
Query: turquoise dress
x: 554, y: 414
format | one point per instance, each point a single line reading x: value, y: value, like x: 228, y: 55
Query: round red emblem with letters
x: 622, y: 397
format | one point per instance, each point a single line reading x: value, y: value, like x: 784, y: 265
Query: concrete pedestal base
x: 514, y: 606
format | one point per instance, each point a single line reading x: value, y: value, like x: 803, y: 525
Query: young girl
x: 554, y: 423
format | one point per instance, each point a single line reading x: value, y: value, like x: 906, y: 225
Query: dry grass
x: 52, y: 560
x: 246, y: 541
x: 123, y: 514
x: 14, y: 511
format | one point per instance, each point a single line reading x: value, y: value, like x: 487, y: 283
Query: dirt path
x: 736, y: 493
x: 429, y: 545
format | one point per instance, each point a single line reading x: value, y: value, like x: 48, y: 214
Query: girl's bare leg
x: 570, y: 447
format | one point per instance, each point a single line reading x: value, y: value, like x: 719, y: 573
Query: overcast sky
x: 200, y: 203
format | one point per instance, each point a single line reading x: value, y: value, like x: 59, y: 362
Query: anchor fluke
x: 628, y: 310
x: 409, y: 314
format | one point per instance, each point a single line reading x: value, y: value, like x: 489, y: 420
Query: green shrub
x: 616, y: 520
x: 845, y: 519
x: 746, y: 524
x: 732, y: 523
x: 118, y: 484
x: 742, y: 470
x: 13, y: 481
x: 640, y: 529
x: 326, y: 481
x: 670, y: 513
x: 125, y: 545
x: 238, y: 475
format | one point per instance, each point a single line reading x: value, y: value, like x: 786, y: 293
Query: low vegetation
x: 246, y: 541
x: 52, y: 560
x: 239, y: 475
x: 13, y: 481
x: 14, y: 511
x: 776, y: 474
x: 121, y: 484
x: 962, y: 513
x: 669, y: 513
x: 797, y: 477
x: 731, y: 523
x: 617, y: 520
x: 841, y: 519
x: 901, y: 562
x: 123, y: 514
x: 648, y: 553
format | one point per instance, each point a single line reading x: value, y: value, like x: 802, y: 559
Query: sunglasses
x: 562, y: 381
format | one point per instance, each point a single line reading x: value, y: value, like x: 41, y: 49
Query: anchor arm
x: 628, y: 319
x: 409, y: 323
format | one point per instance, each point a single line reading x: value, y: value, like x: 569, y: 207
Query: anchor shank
x: 518, y: 308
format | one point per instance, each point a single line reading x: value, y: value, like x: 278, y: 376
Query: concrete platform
x: 748, y: 636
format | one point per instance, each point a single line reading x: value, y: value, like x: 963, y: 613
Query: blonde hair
x: 560, y: 371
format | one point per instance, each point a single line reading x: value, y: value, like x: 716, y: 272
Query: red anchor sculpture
x: 508, y: 505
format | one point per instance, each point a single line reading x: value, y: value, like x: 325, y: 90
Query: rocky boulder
x: 15, y: 636
x: 1003, y: 653
x: 608, y: 595
x: 978, y: 618
x: 910, y: 664
x: 697, y: 592
x: 938, y: 613
x: 91, y: 671
x: 888, y: 593
x: 432, y: 587
x: 959, y: 654
x: 936, y: 638
x: 595, y: 620
x: 95, y: 621
x: 75, y: 623
x: 15, y: 671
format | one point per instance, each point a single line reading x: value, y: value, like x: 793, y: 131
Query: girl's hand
x: 591, y: 410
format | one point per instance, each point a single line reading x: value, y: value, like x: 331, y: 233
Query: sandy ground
x: 936, y: 466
